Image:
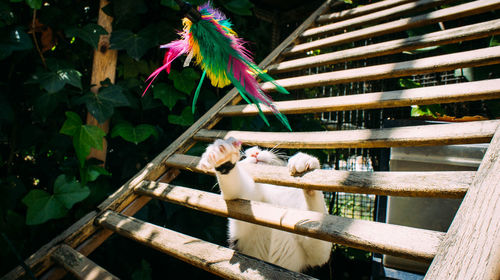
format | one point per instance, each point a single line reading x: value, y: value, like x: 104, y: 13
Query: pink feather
x: 175, y: 49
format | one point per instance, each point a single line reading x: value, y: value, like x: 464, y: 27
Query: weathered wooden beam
x: 213, y: 258
x: 470, y: 249
x: 449, y: 36
x: 413, y: 243
x: 359, y: 11
x: 79, y: 265
x: 424, y: 135
x: 372, y: 18
x: 40, y: 260
x: 444, y: 184
x: 103, y: 67
x: 474, y: 58
x: 451, y: 13
x: 482, y: 90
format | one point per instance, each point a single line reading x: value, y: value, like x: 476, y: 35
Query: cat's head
x: 257, y: 155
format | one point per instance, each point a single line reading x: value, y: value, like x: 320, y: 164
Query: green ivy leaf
x: 34, y: 4
x: 240, y: 7
x: 14, y: 40
x: 136, y: 45
x: 102, y: 105
x: 89, y: 136
x: 51, y: 82
x: 148, y: 102
x: 69, y: 192
x: 54, y: 81
x: 167, y: 94
x: 95, y: 171
x: 72, y: 124
x: 133, y: 134
x: 185, y: 119
x: 494, y: 41
x: 184, y: 81
x: 71, y: 76
x: 132, y: 68
x: 85, y: 137
x: 407, y: 83
x: 433, y: 110
x: 47, y: 102
x: 43, y: 206
x: 89, y: 33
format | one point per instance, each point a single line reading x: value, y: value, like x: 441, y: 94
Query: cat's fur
x: 291, y: 251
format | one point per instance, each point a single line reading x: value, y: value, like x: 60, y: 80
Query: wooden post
x: 104, y: 67
x: 470, y: 249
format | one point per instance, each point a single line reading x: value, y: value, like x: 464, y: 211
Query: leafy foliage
x: 85, y: 137
x: 89, y: 33
x: 134, y: 134
x: 47, y: 181
x: 43, y: 206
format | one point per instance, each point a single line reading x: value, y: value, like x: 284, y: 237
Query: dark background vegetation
x: 46, y: 184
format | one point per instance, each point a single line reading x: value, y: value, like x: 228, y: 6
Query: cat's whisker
x: 214, y: 187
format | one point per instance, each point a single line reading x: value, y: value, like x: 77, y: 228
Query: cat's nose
x: 254, y: 155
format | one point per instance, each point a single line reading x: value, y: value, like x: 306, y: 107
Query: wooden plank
x: 444, y: 184
x: 40, y: 260
x: 124, y: 196
x: 470, y: 249
x: 103, y: 67
x: 417, y: 244
x: 451, y: 13
x: 79, y: 265
x: 213, y: 258
x: 372, y: 18
x: 474, y: 58
x: 424, y: 135
x: 482, y: 90
x: 449, y: 36
x: 361, y: 10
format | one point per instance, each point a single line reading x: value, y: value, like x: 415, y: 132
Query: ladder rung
x: 412, y: 243
x: 488, y: 89
x: 213, y: 258
x: 373, y: 17
x: 479, y: 57
x: 444, y: 184
x: 361, y: 10
x: 451, y: 13
x: 449, y: 36
x: 424, y: 135
x: 79, y: 265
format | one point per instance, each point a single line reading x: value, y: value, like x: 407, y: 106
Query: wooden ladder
x: 470, y: 249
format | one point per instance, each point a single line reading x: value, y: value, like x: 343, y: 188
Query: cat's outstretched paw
x: 220, y: 152
x: 300, y: 163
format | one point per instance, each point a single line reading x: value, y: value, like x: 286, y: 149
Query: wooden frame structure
x: 470, y: 248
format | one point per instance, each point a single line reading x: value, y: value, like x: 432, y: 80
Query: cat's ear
x: 235, y: 142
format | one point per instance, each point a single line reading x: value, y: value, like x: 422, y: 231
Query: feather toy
x: 208, y: 37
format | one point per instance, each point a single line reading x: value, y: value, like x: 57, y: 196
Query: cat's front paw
x: 220, y: 152
x: 301, y: 163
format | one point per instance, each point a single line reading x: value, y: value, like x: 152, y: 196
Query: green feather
x: 197, y: 92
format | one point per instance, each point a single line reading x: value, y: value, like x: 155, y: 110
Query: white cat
x: 288, y: 250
